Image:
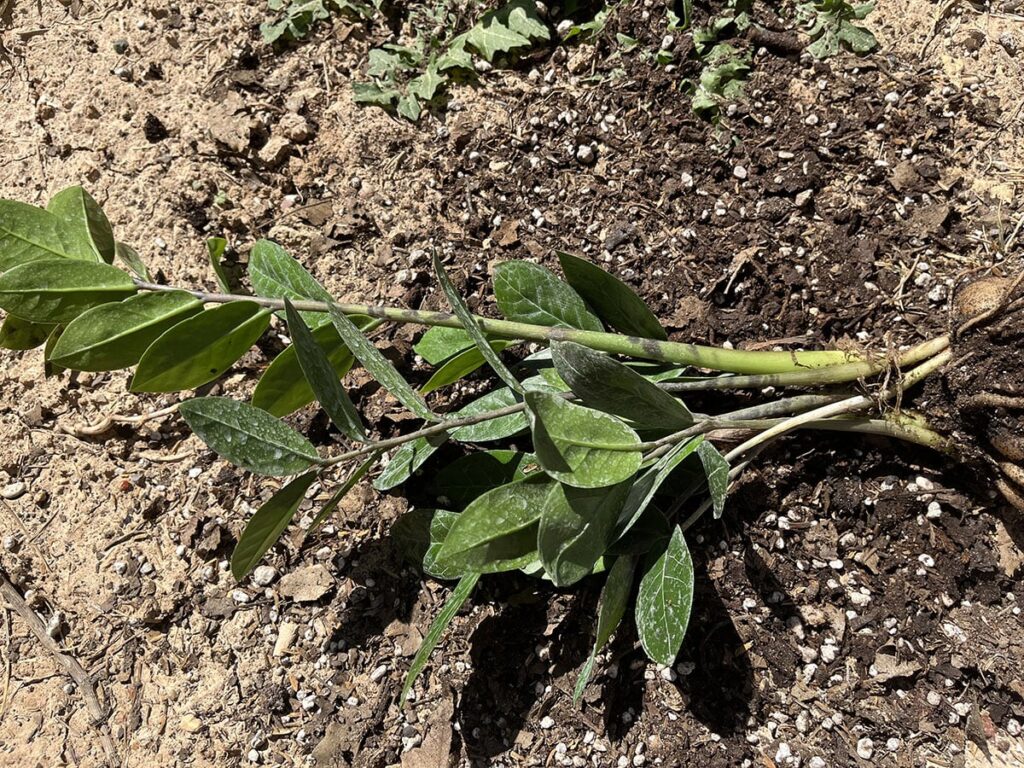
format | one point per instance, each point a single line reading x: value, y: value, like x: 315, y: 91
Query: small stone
x: 817, y: 762
x: 547, y: 723
x: 264, y: 575
x: 836, y: 565
x: 12, y: 491
x: 739, y: 172
x: 1013, y: 727
x: 275, y: 151
x: 190, y: 724
x: 121, y: 47
x: 585, y: 154
x: 254, y: 756
x: 296, y: 128
x: 893, y: 744
x: 783, y: 753
x: 378, y: 673
x: 892, y: 97
x: 308, y: 584
x: 285, y: 637
x: 120, y: 567
x: 10, y: 542
x: 926, y: 560
x: 124, y: 73
x: 865, y: 748
x: 934, y: 511
x: 146, y: 569
x: 240, y: 596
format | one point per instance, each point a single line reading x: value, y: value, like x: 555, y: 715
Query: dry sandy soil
x: 879, y: 626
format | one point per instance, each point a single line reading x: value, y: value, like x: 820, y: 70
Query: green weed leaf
x: 21, y: 335
x: 440, y: 343
x: 29, y: 233
x: 716, y: 468
x: 268, y: 523
x: 131, y: 259
x: 459, y: 367
x: 514, y: 25
x: 276, y: 274
x: 407, y: 460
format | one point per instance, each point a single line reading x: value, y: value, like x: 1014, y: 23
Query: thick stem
x: 712, y: 358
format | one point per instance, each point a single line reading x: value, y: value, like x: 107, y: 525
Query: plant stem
x: 712, y: 358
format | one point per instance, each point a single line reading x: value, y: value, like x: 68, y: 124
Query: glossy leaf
x: 575, y: 529
x: 607, y: 385
x: 716, y: 468
x: 529, y: 293
x: 471, y: 475
x: 469, y: 324
x: 614, y: 601
x: 497, y: 428
x: 90, y: 232
x: 28, y: 233
x: 459, y: 366
x: 650, y: 480
x: 343, y: 489
x: 277, y: 274
x: 201, y: 348
x: 248, y: 436
x: 319, y: 373
x: 57, y: 291
x: 406, y: 460
x: 379, y: 366
x: 282, y: 389
x: 131, y: 259
x: 114, y: 336
x: 440, y: 343
x: 665, y: 599
x: 579, y: 446
x: 21, y: 335
x: 612, y: 300
x: 268, y: 523
x: 498, y: 531
x: 451, y: 607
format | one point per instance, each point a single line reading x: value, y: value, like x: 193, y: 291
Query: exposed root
x: 1011, y: 494
x: 992, y: 400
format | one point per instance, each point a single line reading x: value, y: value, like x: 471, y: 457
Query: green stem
x: 677, y: 353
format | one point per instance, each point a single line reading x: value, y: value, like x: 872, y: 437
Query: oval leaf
x: 28, y: 233
x: 84, y: 220
x: 650, y: 481
x: 318, y: 371
x: 716, y: 469
x: 248, y: 436
x: 58, y: 291
x: 529, y: 293
x: 20, y: 335
x: 199, y: 349
x: 493, y: 429
x: 440, y: 343
x: 607, y: 385
x: 614, y: 600
x: 612, y: 300
x: 277, y: 274
x: 579, y: 446
x: 471, y: 475
x: 459, y: 366
x: 113, y: 336
x: 664, y: 601
x: 266, y: 526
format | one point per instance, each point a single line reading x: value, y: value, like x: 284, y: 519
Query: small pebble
x: 817, y: 762
x: 254, y: 756
x: 783, y: 753
x: 13, y: 490
x: 10, y: 542
x: 264, y: 575
x: 547, y: 723
x: 240, y: 596
x: 934, y: 511
x: 926, y: 560
x: 892, y: 97
x: 739, y: 172
x: 585, y: 154
x: 378, y: 673
x: 865, y: 748
x: 121, y: 47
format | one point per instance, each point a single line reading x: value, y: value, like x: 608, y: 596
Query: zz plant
x: 619, y: 466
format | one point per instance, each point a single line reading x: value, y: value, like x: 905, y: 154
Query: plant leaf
x: 579, y: 446
x: 379, y: 366
x: 114, y: 336
x: 84, y: 220
x: 664, y: 601
x: 57, y: 291
x: 471, y: 475
x: 498, y: 530
x: 200, y: 348
x: 131, y: 259
x: 529, y: 293
x: 647, y: 484
x: 29, y: 233
x: 514, y: 25
x: 282, y: 389
x: 267, y: 524
x: 440, y: 343
x: 21, y: 335
x: 215, y: 248
x: 276, y: 274
x: 716, y: 468
x: 318, y: 371
x: 612, y: 300
x: 451, y: 607
x: 459, y: 366
x: 248, y: 436
x: 575, y: 529
x: 614, y: 600
x: 407, y: 459
x: 493, y: 429
x: 607, y: 385
x: 419, y: 534
x: 469, y: 324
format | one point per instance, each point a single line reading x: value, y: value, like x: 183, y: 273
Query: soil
x: 859, y: 601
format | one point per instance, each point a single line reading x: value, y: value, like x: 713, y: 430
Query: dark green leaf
x: 717, y: 470
x: 407, y: 459
x: 459, y: 367
x: 28, y: 233
x: 379, y: 366
x: 419, y: 535
x: 49, y: 367
x: 84, y: 220
x: 575, y: 528
x: 647, y: 484
x: 249, y: 437
x: 612, y: 300
x: 21, y: 335
x: 469, y: 324
x: 607, y: 385
x: 215, y: 248
x: 58, y: 291
x: 498, y: 531
x: 451, y: 607
x: 276, y: 274
x: 131, y: 259
x: 266, y: 526
x: 529, y: 293
x: 664, y: 601
x: 283, y: 389
x: 319, y: 373
x: 494, y: 429
x: 471, y: 475
x: 114, y: 336
x: 614, y: 600
x: 513, y: 25
x: 440, y: 343
x: 199, y: 349
x: 579, y: 446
